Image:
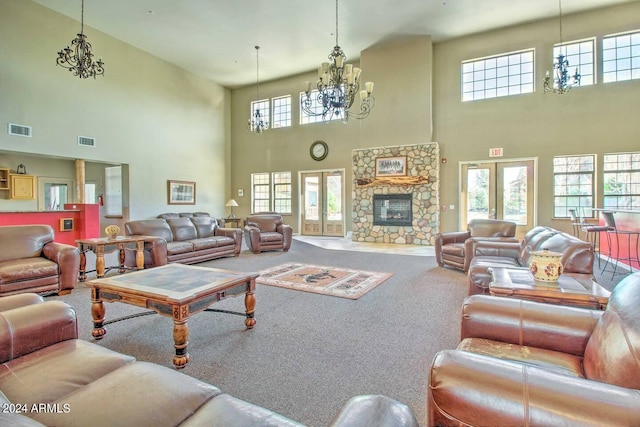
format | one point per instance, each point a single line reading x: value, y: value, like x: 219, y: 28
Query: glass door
x: 501, y: 190
x: 323, y: 203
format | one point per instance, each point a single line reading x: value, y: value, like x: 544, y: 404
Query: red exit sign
x: 496, y: 152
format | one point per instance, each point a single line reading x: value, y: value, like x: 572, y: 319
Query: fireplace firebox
x: 392, y: 209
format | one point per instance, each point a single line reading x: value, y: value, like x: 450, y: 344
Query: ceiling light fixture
x: 338, y: 86
x: 562, y: 81
x: 257, y: 123
x: 79, y: 59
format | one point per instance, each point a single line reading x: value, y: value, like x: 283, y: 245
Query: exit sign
x: 496, y: 152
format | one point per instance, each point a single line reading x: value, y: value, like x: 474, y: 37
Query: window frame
x: 584, y: 210
x: 316, y: 106
x: 279, y: 111
x: 570, y: 57
x: 272, y: 183
x: 633, y: 170
x: 113, y: 191
x: 634, y: 61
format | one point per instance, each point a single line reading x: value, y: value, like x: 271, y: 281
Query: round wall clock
x: 319, y: 150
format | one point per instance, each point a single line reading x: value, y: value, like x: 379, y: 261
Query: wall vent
x: 19, y: 130
x: 86, y: 141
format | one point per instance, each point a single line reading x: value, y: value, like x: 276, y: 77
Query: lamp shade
x: 232, y: 203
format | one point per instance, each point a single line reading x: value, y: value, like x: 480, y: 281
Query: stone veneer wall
x: 422, y: 160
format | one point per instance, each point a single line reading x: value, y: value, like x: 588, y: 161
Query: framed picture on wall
x: 391, y: 166
x: 181, y: 192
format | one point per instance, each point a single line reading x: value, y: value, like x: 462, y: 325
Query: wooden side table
x: 100, y: 246
x: 233, y: 222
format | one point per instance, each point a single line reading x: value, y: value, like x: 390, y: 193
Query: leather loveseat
x: 267, y: 232
x: 577, y: 255
x: 49, y: 377
x: 31, y: 261
x: 524, y: 363
x: 456, y: 248
x: 186, y: 240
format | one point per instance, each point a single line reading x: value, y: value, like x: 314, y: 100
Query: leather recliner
x: 456, y: 248
x: 267, y: 232
x: 529, y: 363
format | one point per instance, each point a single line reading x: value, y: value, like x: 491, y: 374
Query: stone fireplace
x: 392, y: 209
x: 402, y: 208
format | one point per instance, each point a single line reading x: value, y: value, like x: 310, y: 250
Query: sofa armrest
x: 29, y: 328
x: 515, y: 321
x: 471, y: 389
x: 374, y: 410
x: 235, y: 234
x: 502, y: 248
x: 287, y: 234
x: 68, y: 259
x: 19, y: 300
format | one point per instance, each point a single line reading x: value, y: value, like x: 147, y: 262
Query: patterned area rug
x: 339, y: 282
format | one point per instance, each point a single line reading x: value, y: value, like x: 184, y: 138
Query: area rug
x: 334, y: 281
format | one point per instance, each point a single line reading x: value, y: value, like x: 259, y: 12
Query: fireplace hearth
x: 392, y: 209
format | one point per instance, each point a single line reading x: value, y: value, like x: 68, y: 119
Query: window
x: 621, y: 57
x: 580, y: 57
x: 502, y: 75
x: 573, y: 185
x: 263, y: 107
x: 263, y: 192
x: 622, y: 181
x: 316, y: 107
x: 281, y: 111
x: 113, y: 191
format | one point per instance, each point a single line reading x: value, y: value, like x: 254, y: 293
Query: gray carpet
x: 309, y: 353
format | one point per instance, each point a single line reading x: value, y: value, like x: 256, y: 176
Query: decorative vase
x: 545, y: 265
x: 112, y: 231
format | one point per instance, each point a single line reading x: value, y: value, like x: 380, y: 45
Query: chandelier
x: 338, y: 87
x: 562, y: 80
x: 79, y: 59
x: 257, y: 123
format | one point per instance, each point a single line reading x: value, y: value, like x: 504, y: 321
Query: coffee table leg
x: 180, y: 342
x: 250, y: 306
x: 97, y: 312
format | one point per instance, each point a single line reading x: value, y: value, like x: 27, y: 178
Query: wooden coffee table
x: 173, y: 290
x: 571, y: 290
x: 102, y: 245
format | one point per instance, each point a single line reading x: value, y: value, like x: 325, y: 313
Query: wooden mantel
x: 392, y: 180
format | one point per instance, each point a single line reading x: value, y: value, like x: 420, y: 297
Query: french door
x: 322, y: 203
x: 499, y: 190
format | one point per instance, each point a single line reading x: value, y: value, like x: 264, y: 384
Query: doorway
x: 499, y: 190
x: 322, y: 203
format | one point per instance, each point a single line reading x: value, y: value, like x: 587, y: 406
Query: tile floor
x: 346, y: 244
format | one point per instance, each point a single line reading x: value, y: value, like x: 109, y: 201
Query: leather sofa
x: 267, y: 232
x: 577, y: 255
x: 186, y: 240
x: 524, y: 363
x: 456, y: 248
x: 31, y: 261
x: 50, y: 377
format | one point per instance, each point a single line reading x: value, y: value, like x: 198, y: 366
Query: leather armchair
x: 456, y: 248
x: 267, y: 232
x: 529, y: 363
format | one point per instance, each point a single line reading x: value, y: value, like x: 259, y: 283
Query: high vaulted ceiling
x: 216, y: 38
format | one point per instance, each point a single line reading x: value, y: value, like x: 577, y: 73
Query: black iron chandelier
x: 338, y: 87
x: 79, y: 58
x: 257, y: 123
x: 562, y: 81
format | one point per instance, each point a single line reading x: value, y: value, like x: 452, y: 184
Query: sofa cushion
x: 182, y: 229
x: 56, y: 371
x: 24, y: 241
x: 139, y: 394
x: 269, y: 237
x: 175, y: 248
x: 211, y: 242
x: 205, y: 226
x: 26, y: 269
x: 455, y: 249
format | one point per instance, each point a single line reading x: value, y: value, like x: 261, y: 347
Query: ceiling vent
x: 86, y: 141
x: 19, y: 130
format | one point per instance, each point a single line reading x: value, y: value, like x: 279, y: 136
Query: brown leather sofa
x: 456, y: 248
x: 523, y: 363
x: 49, y: 377
x: 186, y: 240
x: 31, y: 261
x: 577, y: 255
x: 267, y: 232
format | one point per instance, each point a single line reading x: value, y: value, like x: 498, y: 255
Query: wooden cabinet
x: 23, y: 187
x: 4, y: 179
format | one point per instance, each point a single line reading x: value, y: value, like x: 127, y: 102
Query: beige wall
x: 164, y: 122
x: 592, y: 120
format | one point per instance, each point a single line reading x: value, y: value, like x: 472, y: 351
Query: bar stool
x: 591, y: 231
x: 610, y: 222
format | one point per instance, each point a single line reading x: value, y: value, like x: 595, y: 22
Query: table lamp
x: 232, y: 203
